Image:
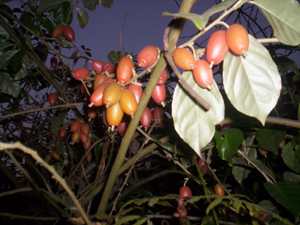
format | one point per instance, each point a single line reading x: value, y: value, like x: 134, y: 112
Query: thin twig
x: 55, y: 175
x: 68, y: 105
x: 268, y: 40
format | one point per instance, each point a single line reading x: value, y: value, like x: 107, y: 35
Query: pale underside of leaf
x: 284, y: 17
x: 252, y: 82
x: 193, y: 124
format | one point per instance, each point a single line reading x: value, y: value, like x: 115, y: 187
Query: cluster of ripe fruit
x: 235, y: 39
x: 64, y: 31
x: 119, y: 90
x: 185, y: 193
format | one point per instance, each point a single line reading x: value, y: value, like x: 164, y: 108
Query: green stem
x: 173, y: 37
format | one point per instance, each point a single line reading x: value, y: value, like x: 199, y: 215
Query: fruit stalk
x: 155, y: 75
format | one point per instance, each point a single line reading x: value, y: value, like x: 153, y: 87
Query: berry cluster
x: 235, y: 39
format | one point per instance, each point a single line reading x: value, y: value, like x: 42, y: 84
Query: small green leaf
x: 63, y: 14
x: 284, y: 18
x: 217, y: 201
x: 269, y: 139
x: 229, y: 143
x: 90, y: 4
x: 83, y: 17
x: 195, y: 18
x: 8, y: 85
x: 193, y: 124
x: 46, y: 5
x: 288, y: 195
x: 240, y: 173
x: 252, y: 82
x: 291, y: 156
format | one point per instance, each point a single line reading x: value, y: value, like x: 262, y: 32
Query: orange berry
x: 216, y: 47
x: 112, y: 94
x: 125, y: 69
x: 114, y: 114
x: 237, y: 39
x: 203, y: 74
x: 148, y: 56
x: 183, y: 58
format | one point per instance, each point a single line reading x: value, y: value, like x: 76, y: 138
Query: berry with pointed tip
x: 158, y: 116
x: 52, y: 98
x: 108, y: 67
x: 237, y: 39
x: 97, y: 65
x: 159, y: 94
x: 112, y: 94
x: 203, y: 74
x: 219, y: 190
x: 136, y: 90
x: 100, y: 79
x: 125, y: 69
x: 81, y: 73
x: 69, y: 33
x: 164, y: 76
x: 146, y: 118
x: 148, y: 56
x: 96, y: 98
x: 58, y: 31
x: 183, y: 58
x: 114, y: 114
x: 185, y: 192
x: 128, y: 102
x: 216, y: 47
x: 121, y: 128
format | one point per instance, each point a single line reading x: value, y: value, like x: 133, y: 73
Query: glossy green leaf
x: 269, y: 139
x: 195, y: 18
x: 287, y: 194
x: 194, y: 125
x: 284, y: 18
x: 46, y: 5
x: 229, y: 143
x: 291, y: 156
x: 83, y: 17
x: 8, y: 85
x: 90, y: 4
x: 252, y: 82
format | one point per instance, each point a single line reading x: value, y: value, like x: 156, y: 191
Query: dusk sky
x: 140, y: 22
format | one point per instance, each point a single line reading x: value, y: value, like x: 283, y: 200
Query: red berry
x: 121, y: 128
x: 202, y: 164
x: 164, y: 76
x: 75, y: 126
x: 100, y: 79
x: 183, y: 58
x: 146, y: 118
x: 80, y: 73
x: 148, y: 56
x: 58, y: 31
x: 52, y: 98
x: 185, y: 192
x: 96, y: 98
x: 125, y: 69
x: 159, y: 94
x: 136, y: 90
x: 97, y: 66
x: 237, y: 39
x: 108, y: 67
x: 203, y: 74
x: 158, y: 115
x: 219, y: 190
x: 216, y: 47
x: 69, y: 33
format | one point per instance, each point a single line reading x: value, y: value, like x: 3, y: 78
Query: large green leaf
x: 291, y: 156
x: 6, y: 56
x: 193, y: 124
x: 286, y: 194
x: 284, y: 17
x: 252, y: 82
x: 269, y: 139
x: 228, y: 143
x: 198, y: 20
x: 8, y: 85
